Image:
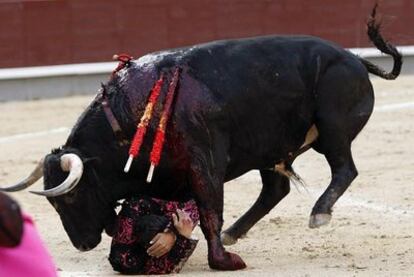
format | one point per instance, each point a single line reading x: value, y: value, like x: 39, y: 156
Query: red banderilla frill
x: 160, y: 135
x: 123, y: 59
x: 144, y: 122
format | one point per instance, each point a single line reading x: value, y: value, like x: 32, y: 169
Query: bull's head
x: 80, y: 179
x: 83, y: 201
x: 76, y: 190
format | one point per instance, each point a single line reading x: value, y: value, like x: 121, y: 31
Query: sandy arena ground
x: 371, y: 233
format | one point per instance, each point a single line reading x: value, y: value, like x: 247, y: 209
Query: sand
x: 371, y: 233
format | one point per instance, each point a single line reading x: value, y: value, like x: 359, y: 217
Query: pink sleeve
x: 30, y: 258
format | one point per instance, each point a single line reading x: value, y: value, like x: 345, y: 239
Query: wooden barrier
x: 46, y: 32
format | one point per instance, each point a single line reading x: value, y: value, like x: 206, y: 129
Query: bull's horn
x: 71, y: 163
x: 36, y: 174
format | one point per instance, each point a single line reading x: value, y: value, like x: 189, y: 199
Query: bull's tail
x: 385, y: 47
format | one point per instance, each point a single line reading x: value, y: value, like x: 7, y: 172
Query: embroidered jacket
x: 127, y: 253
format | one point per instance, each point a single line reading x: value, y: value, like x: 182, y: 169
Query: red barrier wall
x: 44, y: 32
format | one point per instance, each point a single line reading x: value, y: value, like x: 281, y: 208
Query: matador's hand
x: 183, y: 223
x: 161, y: 244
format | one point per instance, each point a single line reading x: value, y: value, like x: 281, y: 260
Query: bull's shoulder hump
x: 234, y: 46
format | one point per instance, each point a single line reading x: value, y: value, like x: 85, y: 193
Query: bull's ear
x: 56, y: 150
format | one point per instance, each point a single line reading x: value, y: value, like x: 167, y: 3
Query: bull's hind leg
x: 345, y: 102
x: 343, y: 173
x: 275, y: 188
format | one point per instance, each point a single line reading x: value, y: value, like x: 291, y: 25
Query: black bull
x: 240, y: 105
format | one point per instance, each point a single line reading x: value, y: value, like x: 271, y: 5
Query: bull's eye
x: 91, y: 160
x: 69, y: 198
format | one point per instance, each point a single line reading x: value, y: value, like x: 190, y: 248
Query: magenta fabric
x: 30, y: 258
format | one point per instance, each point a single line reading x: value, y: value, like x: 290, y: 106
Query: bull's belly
x: 243, y: 162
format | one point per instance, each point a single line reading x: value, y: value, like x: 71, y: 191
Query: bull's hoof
x: 227, y: 261
x: 318, y: 220
x: 226, y: 239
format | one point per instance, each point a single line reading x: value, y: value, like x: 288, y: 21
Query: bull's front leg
x: 208, y: 189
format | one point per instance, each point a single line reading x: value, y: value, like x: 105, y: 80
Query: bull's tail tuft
x: 385, y: 47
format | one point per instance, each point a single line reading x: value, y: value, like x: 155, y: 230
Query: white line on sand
x: 397, y: 106
x: 33, y: 135
x: 383, y: 108
x: 351, y: 201
x: 384, y: 209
